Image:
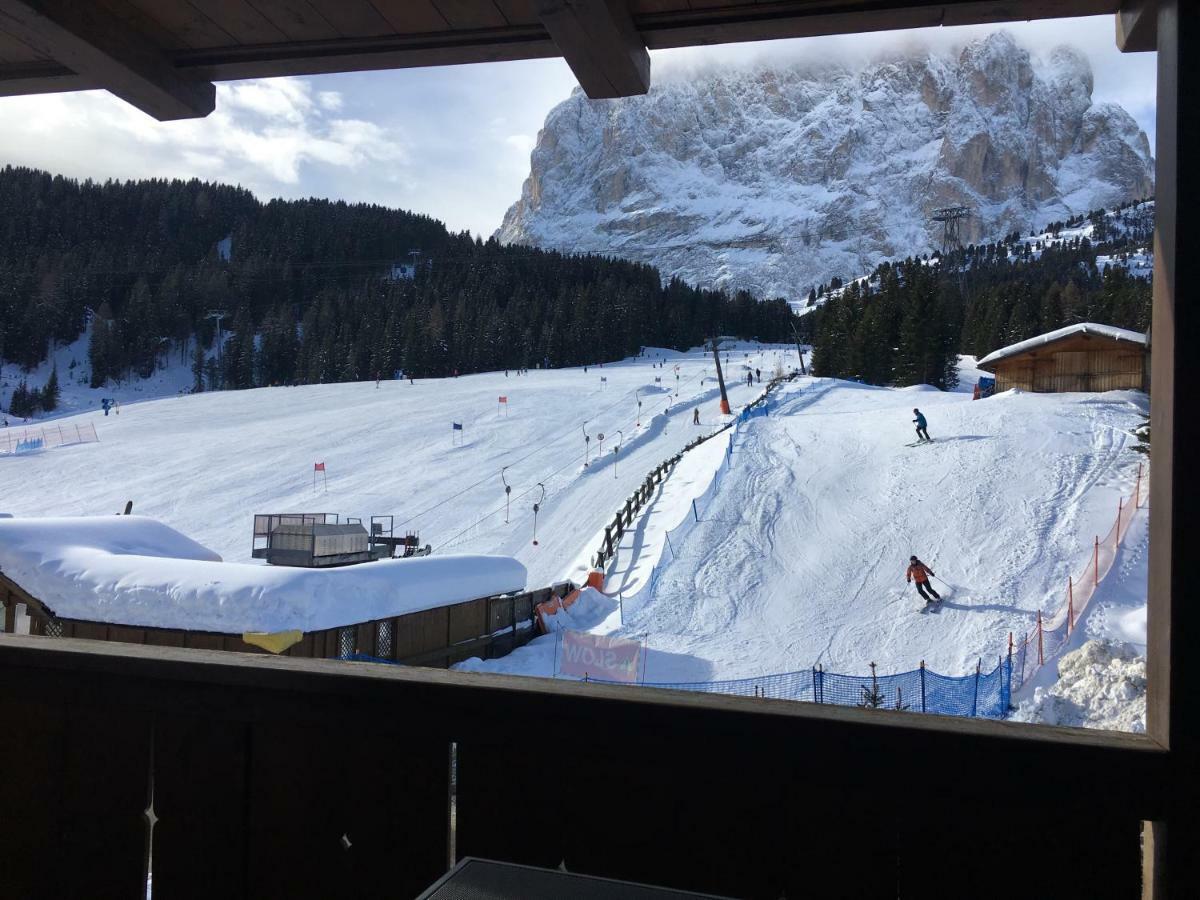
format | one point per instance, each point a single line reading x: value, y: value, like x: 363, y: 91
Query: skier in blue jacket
x: 919, y: 421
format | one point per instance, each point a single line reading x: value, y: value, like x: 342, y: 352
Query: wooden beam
x: 728, y: 23
x: 91, y: 42
x: 601, y: 45
x: 1172, y: 856
x: 775, y: 19
x: 1137, y: 26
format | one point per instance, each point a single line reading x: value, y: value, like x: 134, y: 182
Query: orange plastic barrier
x: 548, y: 608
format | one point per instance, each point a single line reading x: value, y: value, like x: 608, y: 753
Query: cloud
x: 1129, y: 79
x: 267, y: 135
x: 330, y: 100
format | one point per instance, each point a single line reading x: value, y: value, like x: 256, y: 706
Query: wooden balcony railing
x: 283, y: 777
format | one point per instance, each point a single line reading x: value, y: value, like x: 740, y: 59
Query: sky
x: 451, y: 142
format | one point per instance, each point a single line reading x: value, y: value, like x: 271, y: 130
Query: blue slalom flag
x: 457, y: 426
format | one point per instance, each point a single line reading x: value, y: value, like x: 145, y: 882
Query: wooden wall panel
x: 240, y: 20
x: 92, y: 631
x: 297, y: 19
x: 467, y: 620
x: 71, y: 796
x: 126, y: 635
x: 1076, y: 367
x: 415, y: 16
x: 733, y: 821
x: 188, y: 24
x: 421, y: 632
x: 201, y: 640
x: 353, y: 18
x: 163, y: 637
x: 470, y: 14
x: 199, y: 798
x: 500, y: 614
x: 352, y: 816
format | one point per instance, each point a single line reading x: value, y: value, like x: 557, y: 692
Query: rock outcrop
x: 777, y: 178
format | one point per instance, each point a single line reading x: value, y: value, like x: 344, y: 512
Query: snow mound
x: 1100, y: 685
x: 590, y: 609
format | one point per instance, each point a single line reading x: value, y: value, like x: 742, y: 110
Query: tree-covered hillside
x: 313, y: 289
x: 907, y: 322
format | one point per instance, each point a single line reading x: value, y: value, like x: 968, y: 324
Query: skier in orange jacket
x: 919, y: 572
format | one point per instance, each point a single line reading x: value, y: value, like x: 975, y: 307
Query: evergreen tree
x: 50, y: 393
x: 23, y: 402
x: 198, y: 366
x: 309, y: 290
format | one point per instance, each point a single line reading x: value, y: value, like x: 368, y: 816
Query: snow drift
x: 1100, y: 685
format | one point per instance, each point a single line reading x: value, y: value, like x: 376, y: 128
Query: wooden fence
x: 624, y: 517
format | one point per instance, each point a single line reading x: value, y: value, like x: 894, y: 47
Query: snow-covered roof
x: 132, y: 570
x: 1108, y: 331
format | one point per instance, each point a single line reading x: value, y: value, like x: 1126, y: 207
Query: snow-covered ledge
x: 136, y: 571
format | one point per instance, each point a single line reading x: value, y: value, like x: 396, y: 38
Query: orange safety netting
x: 1051, y: 633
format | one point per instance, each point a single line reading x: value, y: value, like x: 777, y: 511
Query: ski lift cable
x: 531, y: 453
x: 541, y: 484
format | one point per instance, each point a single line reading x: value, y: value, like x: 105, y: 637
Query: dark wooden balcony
x: 282, y: 777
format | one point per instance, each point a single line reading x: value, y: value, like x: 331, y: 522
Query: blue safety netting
x: 985, y: 694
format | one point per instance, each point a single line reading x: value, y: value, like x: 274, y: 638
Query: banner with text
x: 600, y: 657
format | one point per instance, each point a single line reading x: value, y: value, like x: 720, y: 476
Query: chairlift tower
x: 951, y: 218
x: 218, y: 314
x: 716, y: 351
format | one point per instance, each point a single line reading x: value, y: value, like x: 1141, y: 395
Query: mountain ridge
x: 774, y: 179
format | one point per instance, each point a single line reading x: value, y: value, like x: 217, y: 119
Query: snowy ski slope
x: 800, y: 557
x: 206, y: 463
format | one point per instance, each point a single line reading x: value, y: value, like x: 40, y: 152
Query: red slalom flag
x: 318, y: 467
x: 503, y: 399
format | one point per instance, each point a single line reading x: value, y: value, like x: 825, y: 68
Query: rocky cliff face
x: 777, y: 178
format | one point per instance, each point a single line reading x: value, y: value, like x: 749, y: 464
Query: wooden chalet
x: 1083, y: 357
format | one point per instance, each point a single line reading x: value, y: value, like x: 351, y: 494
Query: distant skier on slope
x: 922, y: 430
x: 696, y: 416
x: 920, y: 572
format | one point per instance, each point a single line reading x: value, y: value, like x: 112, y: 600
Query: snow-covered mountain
x: 776, y: 178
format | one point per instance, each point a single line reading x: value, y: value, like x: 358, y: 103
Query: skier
x: 696, y: 416
x: 922, y: 431
x: 921, y: 572
x: 758, y: 372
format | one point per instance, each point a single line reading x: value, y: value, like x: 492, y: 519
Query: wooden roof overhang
x: 163, y: 56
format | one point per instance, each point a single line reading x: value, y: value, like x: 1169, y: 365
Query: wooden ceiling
x: 163, y: 55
